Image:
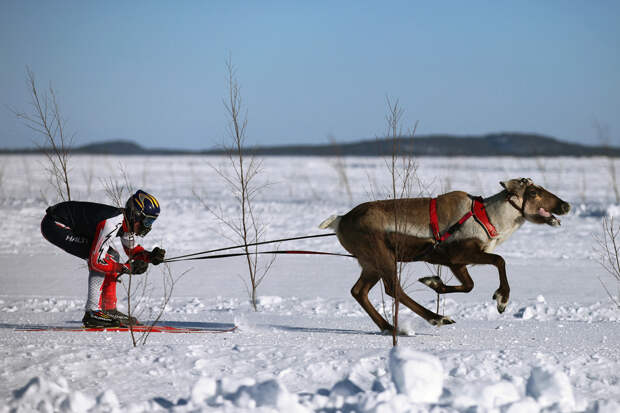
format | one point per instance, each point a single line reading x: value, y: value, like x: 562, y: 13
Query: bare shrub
x: 541, y: 164
x: 88, y: 173
x: 402, y: 168
x: 2, y: 175
x: 603, y: 135
x: 338, y: 162
x: 246, y: 227
x: 583, y: 186
x: 45, y: 118
x: 609, y: 249
x: 139, y: 289
x: 118, y: 191
x: 140, y: 298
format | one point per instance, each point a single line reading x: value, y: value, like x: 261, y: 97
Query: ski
x: 138, y: 329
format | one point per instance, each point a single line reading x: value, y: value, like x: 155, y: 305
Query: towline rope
x: 253, y: 244
x: 240, y: 254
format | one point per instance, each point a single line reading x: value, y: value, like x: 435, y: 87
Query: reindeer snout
x: 565, y: 207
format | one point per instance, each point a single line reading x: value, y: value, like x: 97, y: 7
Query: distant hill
x: 498, y: 144
x: 501, y: 144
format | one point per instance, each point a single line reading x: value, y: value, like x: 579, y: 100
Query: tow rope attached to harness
x: 477, y: 211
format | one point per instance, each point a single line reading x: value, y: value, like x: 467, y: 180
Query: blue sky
x: 154, y: 72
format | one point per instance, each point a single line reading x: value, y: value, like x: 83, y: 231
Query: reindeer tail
x: 331, y: 223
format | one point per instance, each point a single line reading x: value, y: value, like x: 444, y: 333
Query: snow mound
x: 416, y: 383
x: 43, y: 305
x: 204, y: 389
x: 270, y: 393
x: 551, y: 388
x: 346, y: 388
x: 268, y: 301
x: 604, y: 406
x: 595, y: 210
x: 44, y: 395
x: 488, y: 395
x: 542, y: 311
x: 613, y: 211
x: 417, y: 375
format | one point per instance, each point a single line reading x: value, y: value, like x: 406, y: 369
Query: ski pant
x: 59, y: 234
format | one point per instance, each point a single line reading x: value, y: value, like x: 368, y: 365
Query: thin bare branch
x: 46, y: 119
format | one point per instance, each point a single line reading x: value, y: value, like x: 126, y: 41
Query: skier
x: 92, y: 231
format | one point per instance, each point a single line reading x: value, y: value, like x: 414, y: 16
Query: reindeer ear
x: 514, y: 186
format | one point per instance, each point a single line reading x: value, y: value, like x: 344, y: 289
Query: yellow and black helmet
x: 142, y: 208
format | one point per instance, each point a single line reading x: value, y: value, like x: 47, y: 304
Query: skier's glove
x: 134, y: 267
x: 138, y: 267
x: 157, y: 255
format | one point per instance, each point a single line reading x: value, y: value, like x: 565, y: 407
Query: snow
x: 310, y: 347
x: 549, y: 387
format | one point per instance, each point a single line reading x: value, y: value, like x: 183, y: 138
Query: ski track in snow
x: 311, y: 347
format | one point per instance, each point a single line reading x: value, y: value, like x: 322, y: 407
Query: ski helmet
x: 142, y: 208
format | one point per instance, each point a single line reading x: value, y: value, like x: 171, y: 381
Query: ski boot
x: 122, y: 318
x: 99, y: 319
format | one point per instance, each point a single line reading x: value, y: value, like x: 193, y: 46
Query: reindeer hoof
x: 387, y: 331
x: 502, y: 301
x: 400, y: 332
x: 442, y: 321
x: 433, y: 282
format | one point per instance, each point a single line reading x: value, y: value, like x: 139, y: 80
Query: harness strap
x: 434, y: 221
x: 477, y: 211
x: 480, y: 215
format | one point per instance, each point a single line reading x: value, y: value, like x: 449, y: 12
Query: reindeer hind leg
x: 360, y: 290
x: 460, y: 272
x: 392, y: 288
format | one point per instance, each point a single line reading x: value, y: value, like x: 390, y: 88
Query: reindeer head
x: 535, y: 203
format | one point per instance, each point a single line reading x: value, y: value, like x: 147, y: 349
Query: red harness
x: 477, y: 211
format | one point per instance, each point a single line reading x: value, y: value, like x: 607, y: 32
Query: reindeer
x: 455, y: 229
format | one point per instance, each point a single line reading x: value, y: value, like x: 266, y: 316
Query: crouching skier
x: 92, y: 231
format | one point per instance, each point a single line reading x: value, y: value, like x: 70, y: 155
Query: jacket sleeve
x: 103, y: 258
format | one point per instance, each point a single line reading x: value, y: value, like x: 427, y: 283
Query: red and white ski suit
x: 112, y: 242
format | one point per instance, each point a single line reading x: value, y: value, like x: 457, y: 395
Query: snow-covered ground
x: 310, y: 347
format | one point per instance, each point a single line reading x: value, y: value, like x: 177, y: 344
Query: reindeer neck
x: 502, y: 214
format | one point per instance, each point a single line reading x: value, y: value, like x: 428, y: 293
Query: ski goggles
x: 147, y: 220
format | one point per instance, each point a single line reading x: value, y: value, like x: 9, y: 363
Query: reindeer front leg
x: 468, y: 252
x: 502, y: 294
